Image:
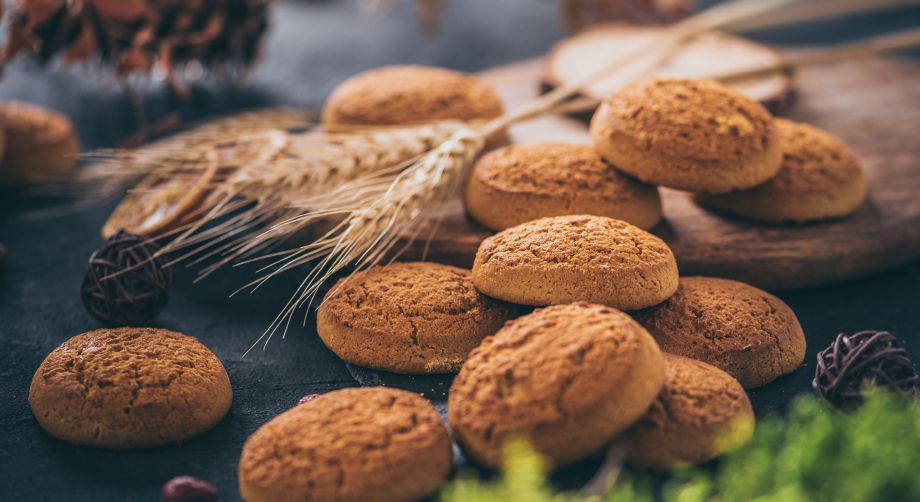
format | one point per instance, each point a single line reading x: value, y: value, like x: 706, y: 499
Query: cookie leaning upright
x: 412, y: 318
x: 520, y: 183
x: 745, y: 331
x: 370, y: 443
x: 128, y: 388
x: 576, y: 258
x: 691, y: 135
x: 397, y: 95
x: 41, y: 144
x: 568, y: 377
x: 700, y: 413
x: 819, y: 179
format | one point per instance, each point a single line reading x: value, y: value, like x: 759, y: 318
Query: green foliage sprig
x: 813, y: 453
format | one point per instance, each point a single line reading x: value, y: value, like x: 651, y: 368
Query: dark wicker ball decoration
x: 853, y: 360
x: 125, y: 284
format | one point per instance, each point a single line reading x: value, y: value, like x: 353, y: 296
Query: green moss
x: 811, y: 454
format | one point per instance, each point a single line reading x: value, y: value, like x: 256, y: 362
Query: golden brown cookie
x: 691, y: 135
x: 567, y: 377
x: 819, y: 179
x: 41, y: 144
x: 411, y: 318
x: 125, y: 388
x: 396, y: 95
x: 371, y: 443
x: 747, y: 332
x: 701, y: 413
x: 520, y: 183
x: 576, y: 258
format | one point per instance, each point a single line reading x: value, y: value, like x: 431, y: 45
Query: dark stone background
x: 312, y: 47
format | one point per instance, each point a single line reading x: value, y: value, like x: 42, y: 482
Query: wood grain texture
x: 873, y: 105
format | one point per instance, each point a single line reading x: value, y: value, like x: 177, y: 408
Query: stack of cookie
x: 624, y: 349
x: 581, y: 372
x: 696, y: 136
x: 702, y: 137
x: 619, y: 347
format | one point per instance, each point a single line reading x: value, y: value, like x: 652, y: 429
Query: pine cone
x: 135, y: 35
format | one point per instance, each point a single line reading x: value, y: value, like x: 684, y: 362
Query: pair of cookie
x: 36, y: 144
x: 421, y: 318
x: 425, y: 317
x: 570, y: 378
x: 127, y: 388
x: 703, y: 137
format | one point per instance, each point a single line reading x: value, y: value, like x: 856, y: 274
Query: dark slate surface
x: 312, y: 47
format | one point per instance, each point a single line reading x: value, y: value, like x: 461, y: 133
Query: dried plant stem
x: 885, y: 43
x: 374, y: 218
x: 637, y: 62
x: 811, y: 10
x: 844, y: 52
x: 304, y: 170
x: 262, y: 172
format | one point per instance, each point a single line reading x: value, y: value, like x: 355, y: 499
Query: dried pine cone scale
x: 134, y: 35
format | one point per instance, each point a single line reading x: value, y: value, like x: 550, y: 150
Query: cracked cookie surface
x: 415, y: 317
x: 700, y: 413
x: 819, y: 179
x: 564, y: 259
x: 568, y: 377
x: 694, y: 135
x: 745, y: 331
x: 126, y: 388
x: 371, y: 443
x: 519, y: 183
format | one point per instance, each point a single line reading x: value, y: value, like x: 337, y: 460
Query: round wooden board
x: 872, y: 104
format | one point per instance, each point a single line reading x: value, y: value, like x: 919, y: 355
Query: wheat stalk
x: 263, y: 171
x: 309, y: 170
x: 376, y: 211
x: 112, y: 170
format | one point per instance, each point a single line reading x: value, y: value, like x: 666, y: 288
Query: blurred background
x: 313, y: 45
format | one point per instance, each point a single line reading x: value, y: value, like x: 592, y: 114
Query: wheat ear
x: 375, y: 211
x: 307, y: 170
x: 264, y: 167
x: 111, y: 170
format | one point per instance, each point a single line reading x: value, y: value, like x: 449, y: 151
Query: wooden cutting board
x: 872, y: 104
